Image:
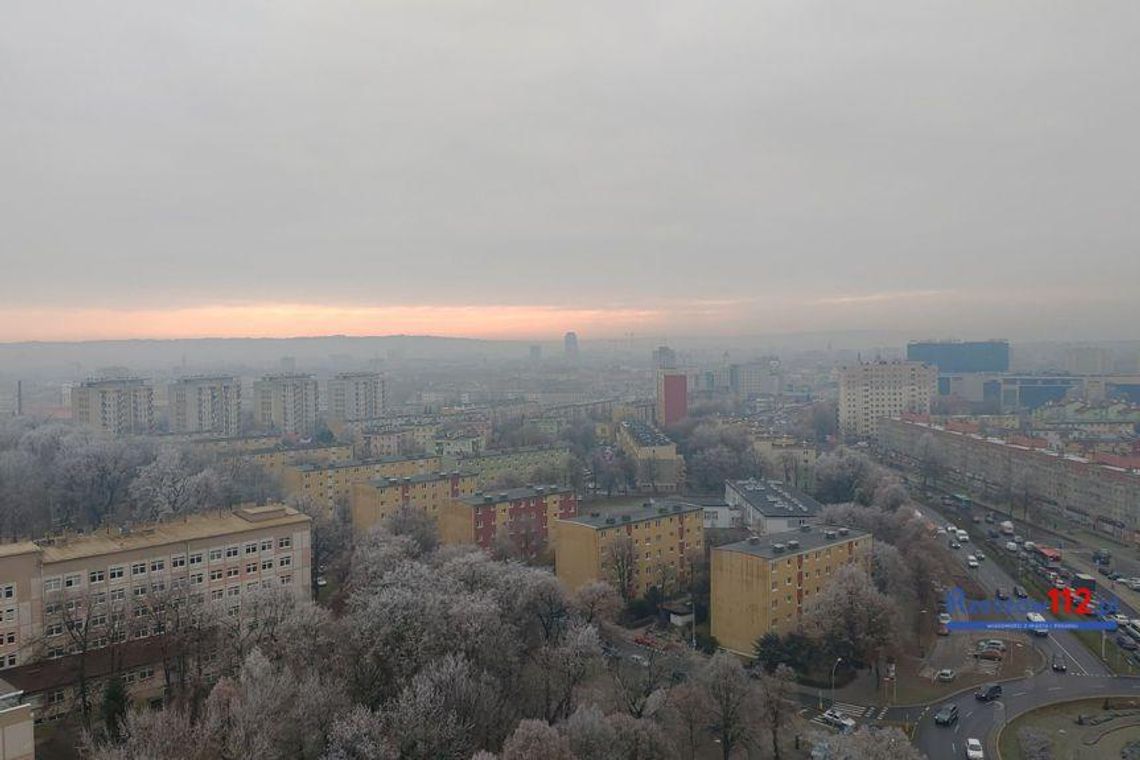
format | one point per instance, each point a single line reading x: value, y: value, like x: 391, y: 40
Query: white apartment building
x: 205, y: 405
x: 286, y: 403
x: 869, y: 392
x: 355, y: 396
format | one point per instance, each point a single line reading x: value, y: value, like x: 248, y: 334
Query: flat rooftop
x: 189, y: 528
x: 774, y: 499
x: 425, y: 477
x: 819, y: 537
x: 309, y: 466
x: 512, y: 494
x: 652, y: 511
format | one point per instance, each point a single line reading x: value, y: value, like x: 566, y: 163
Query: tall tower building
x: 120, y: 406
x: 672, y: 397
x: 206, y: 405
x: 664, y: 358
x: 356, y: 396
x: 570, y: 343
x: 869, y: 392
x: 286, y: 403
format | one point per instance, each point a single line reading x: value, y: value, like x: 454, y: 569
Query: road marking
x: 969, y: 713
x: 1074, y: 659
x: 1019, y: 694
x: 1053, y: 688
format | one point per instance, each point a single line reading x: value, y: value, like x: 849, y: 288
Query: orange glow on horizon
x: 283, y: 320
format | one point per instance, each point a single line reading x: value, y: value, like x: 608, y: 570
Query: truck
x: 1081, y: 580
x: 1006, y: 528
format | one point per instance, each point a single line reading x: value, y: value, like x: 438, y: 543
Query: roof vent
x: 829, y: 534
x: 625, y: 518
x: 661, y: 510
x: 610, y: 521
x: 595, y: 514
x: 488, y: 499
x: 843, y: 531
x: 779, y: 548
x: 502, y: 494
x: 793, y: 544
x: 754, y: 540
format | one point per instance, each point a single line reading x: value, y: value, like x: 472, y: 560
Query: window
x: 138, y: 568
x: 217, y: 593
x: 55, y: 697
x: 99, y: 620
x: 158, y: 565
x: 51, y: 584
x: 138, y: 591
x: 159, y: 586
x: 55, y: 629
x: 96, y: 576
x: 231, y: 551
x: 10, y: 661
x: 267, y: 545
x: 118, y: 595
x: 216, y: 575
x: 197, y: 578
x: 196, y: 559
x: 51, y: 609
x: 251, y: 567
x: 9, y: 614
x: 215, y: 555
x: 233, y: 572
x: 266, y: 564
x: 71, y: 581
x: 233, y: 591
x: 10, y: 637
x: 251, y: 586
x: 285, y: 561
x: 285, y: 542
x: 115, y: 572
x: 178, y: 560
x: 8, y: 591
x: 251, y: 548
x: 286, y: 579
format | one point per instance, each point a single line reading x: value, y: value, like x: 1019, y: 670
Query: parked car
x: 981, y: 557
x: 1115, y: 576
x: 988, y: 692
x: 991, y: 533
x: 947, y: 715
x: 1133, y: 583
x: 974, y: 750
x: 639, y: 659
x: 1020, y: 592
x: 972, y: 562
x: 955, y: 545
x: 946, y: 675
x: 944, y: 617
x: 990, y: 518
x: 992, y: 644
x: 1127, y: 644
x: 838, y: 720
x: 943, y: 630
x: 1018, y: 540
x: 990, y: 654
x: 1001, y: 593
x: 1010, y: 546
x: 1104, y: 570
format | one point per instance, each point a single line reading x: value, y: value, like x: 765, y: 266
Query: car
x: 1018, y: 540
x: 972, y: 562
x: 639, y: 659
x: 974, y: 750
x: 946, y: 675
x: 836, y: 719
x: 1104, y: 570
x: 995, y: 655
x: 943, y: 630
x: 1010, y: 546
x: 997, y: 644
x: 1059, y: 665
x: 977, y: 520
x: 1029, y: 546
x: 955, y: 545
x: 1001, y: 593
x: 1114, y: 576
x: 1127, y: 644
x: 980, y: 556
x: 1059, y: 583
x: 322, y: 582
x: 988, y: 692
x: 947, y: 715
x: 1020, y: 592
x: 944, y: 618
x: 990, y: 518
x: 1133, y: 583
x: 1119, y: 619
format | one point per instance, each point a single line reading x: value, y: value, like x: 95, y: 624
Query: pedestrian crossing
x: 850, y: 710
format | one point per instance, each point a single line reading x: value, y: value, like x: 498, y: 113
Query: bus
x: 1081, y: 580
x: 1037, y: 619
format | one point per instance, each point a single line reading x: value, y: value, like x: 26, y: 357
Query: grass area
x: 915, y: 688
x: 1072, y: 740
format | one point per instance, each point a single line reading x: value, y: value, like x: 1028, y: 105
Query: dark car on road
x: 1059, y: 665
x: 947, y: 715
x: 1001, y: 593
x: 1020, y: 592
x: 1127, y: 644
x: 988, y: 692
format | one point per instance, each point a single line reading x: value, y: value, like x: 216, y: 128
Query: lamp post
x: 833, y: 667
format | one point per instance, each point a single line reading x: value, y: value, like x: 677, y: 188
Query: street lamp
x: 833, y: 667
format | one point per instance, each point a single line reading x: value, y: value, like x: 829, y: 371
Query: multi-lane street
x: 1087, y: 676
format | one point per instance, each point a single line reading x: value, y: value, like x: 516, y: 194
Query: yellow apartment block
x: 219, y: 446
x: 761, y: 584
x: 530, y: 516
x: 330, y: 484
x: 521, y: 462
x: 373, y: 501
x: 17, y: 735
x: 276, y: 458
x: 663, y: 537
x: 116, y: 584
x: 403, y: 441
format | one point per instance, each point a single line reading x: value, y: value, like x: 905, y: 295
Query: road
x: 1087, y: 677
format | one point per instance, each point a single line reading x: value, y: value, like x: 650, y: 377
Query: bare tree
x: 732, y: 702
x: 689, y: 708
x: 778, y: 707
x: 855, y: 620
x: 596, y: 603
x: 536, y: 738
x: 880, y: 744
x: 620, y: 563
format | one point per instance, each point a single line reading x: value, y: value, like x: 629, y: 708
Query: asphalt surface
x: 1087, y: 676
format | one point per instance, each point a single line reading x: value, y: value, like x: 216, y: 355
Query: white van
x: 1037, y: 617
x: 963, y: 536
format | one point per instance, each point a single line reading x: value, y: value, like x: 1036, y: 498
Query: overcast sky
x: 965, y: 168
